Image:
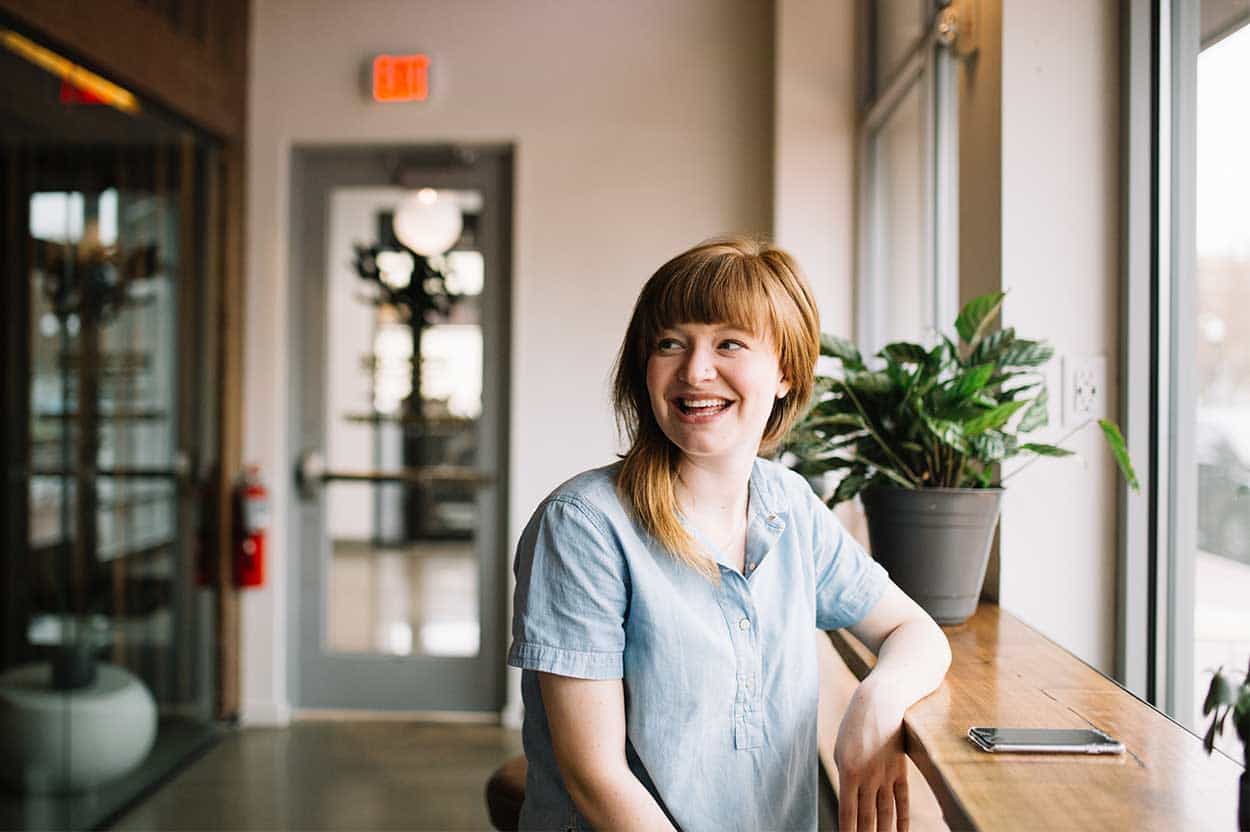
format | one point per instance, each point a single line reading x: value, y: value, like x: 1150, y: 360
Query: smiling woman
x: 692, y: 319
x: 665, y: 605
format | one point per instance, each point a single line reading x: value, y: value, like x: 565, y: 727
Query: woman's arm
x: 587, y: 722
x: 913, y: 655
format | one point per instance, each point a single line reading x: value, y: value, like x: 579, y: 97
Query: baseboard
x: 361, y: 715
x: 265, y: 713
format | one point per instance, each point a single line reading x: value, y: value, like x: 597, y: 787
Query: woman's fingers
x: 847, y: 806
x: 885, y: 809
x: 866, y: 818
x: 902, y: 803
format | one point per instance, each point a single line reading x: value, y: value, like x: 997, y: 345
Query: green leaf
x: 975, y: 318
x: 988, y: 447
x: 850, y: 485
x: 1045, y: 450
x: 1012, y: 392
x: 1023, y: 353
x: 1120, y: 451
x: 843, y: 350
x: 1037, y: 415
x: 1220, y: 692
x: 969, y: 382
x: 872, y: 384
x: 1208, y: 740
x: 992, y: 346
x: 992, y: 418
x: 947, y: 432
x: 902, y: 352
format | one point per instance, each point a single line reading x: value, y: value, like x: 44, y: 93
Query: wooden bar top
x: 1006, y: 674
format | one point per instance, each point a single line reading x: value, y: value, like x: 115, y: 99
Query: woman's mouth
x: 702, y: 409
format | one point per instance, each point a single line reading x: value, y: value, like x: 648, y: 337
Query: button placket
x: 746, y: 651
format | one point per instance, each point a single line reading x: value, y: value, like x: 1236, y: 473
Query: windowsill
x: 1006, y: 674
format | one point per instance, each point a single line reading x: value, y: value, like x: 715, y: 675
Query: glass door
x: 402, y: 305
x: 107, y: 670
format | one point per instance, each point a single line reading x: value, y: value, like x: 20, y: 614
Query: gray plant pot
x: 935, y: 543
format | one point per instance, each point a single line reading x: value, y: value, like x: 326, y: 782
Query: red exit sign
x: 401, y: 78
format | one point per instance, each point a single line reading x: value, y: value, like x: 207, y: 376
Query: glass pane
x: 898, y: 25
x: 403, y: 398
x: 1222, y: 563
x: 107, y: 633
x: 902, y: 281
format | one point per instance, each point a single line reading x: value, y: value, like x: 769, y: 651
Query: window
x: 1187, y: 542
x: 907, y: 285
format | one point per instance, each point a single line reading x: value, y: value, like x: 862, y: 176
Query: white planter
x: 70, y: 740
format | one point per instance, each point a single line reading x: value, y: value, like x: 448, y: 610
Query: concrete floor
x: 342, y: 775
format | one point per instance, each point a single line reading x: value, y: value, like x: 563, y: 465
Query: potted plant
x: 1224, y: 698
x: 920, y: 438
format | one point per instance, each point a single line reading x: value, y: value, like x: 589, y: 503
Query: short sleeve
x: 849, y: 583
x: 571, y: 595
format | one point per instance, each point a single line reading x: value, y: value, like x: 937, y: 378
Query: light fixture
x: 427, y: 223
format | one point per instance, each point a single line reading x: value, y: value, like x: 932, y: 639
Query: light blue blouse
x: 720, y: 681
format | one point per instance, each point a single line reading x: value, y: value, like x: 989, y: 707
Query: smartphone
x: 1045, y: 740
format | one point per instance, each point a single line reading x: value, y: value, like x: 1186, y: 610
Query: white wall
x: 640, y: 128
x: 1060, y: 241
x: 814, y: 168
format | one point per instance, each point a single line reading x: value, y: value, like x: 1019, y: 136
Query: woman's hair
x: 740, y: 281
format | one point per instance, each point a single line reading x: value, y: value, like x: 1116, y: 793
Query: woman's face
x: 712, y: 388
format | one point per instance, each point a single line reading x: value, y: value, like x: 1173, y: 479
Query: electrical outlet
x: 1084, y: 389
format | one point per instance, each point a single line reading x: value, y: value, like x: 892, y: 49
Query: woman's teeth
x: 702, y: 406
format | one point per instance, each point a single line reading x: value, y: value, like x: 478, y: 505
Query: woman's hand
x: 872, y: 767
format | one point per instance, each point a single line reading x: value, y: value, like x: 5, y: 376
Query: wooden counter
x: 1006, y: 674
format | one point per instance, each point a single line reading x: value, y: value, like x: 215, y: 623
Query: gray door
x: 400, y: 274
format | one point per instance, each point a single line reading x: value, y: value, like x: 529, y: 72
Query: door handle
x: 311, y: 474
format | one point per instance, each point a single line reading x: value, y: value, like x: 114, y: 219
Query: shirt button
x: 749, y: 706
x: 750, y: 683
x: 772, y: 518
x: 744, y: 624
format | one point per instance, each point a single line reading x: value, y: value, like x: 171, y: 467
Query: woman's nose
x: 698, y: 367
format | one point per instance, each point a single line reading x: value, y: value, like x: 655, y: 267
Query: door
x: 108, y: 434
x: 400, y: 265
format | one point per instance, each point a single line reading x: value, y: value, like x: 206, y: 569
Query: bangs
x: 725, y: 288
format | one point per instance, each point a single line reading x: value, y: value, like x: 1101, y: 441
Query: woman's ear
x: 783, y: 387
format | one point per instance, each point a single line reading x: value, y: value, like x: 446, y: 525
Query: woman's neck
x: 714, y: 489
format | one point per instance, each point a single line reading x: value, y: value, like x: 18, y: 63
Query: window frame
x: 929, y: 66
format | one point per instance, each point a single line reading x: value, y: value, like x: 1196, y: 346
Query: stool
x: 504, y: 792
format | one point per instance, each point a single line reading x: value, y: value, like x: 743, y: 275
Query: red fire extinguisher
x: 249, y: 567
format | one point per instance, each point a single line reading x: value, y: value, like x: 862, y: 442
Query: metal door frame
x: 317, y: 680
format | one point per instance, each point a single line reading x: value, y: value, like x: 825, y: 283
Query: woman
x: 665, y: 605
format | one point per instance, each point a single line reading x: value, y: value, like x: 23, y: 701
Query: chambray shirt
x: 720, y: 681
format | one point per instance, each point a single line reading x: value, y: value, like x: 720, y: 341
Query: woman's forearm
x: 911, y: 663
x: 616, y: 800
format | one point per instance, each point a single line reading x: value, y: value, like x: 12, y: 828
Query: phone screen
x: 1042, y: 736
x: 1084, y: 740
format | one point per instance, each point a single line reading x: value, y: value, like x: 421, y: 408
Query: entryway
x: 400, y: 275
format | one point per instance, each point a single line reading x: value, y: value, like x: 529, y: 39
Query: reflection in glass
x: 403, y: 571
x: 1222, y: 452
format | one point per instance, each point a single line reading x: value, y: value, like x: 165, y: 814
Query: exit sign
x: 401, y: 78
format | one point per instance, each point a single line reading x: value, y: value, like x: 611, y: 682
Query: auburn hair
x: 743, y: 282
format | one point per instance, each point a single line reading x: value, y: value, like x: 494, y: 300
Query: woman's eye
x: 666, y: 344
x: 732, y: 346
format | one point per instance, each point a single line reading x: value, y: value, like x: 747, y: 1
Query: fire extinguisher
x: 249, y: 566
